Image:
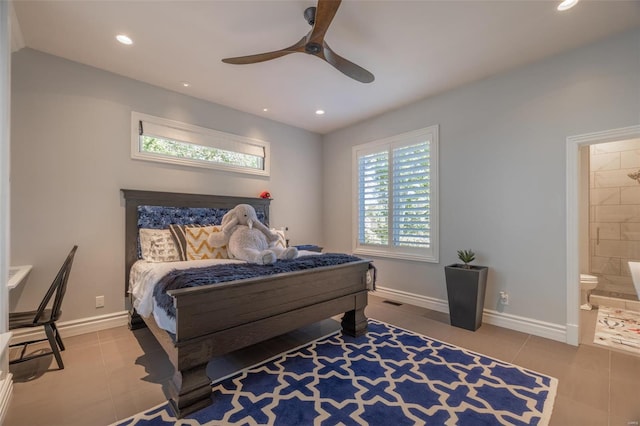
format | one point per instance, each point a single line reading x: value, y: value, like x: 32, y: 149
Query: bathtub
x: 634, y: 267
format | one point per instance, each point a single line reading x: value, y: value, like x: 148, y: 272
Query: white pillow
x: 157, y: 245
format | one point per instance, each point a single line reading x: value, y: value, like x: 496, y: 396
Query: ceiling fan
x: 313, y: 43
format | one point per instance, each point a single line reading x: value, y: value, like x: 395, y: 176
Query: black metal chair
x: 45, y: 317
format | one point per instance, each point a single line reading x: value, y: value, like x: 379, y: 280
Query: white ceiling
x: 415, y: 49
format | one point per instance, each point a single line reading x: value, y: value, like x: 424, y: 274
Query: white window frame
x: 188, y: 133
x: 430, y: 254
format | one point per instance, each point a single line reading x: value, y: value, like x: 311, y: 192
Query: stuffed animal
x: 248, y: 239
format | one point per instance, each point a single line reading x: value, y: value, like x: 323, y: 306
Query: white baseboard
x: 412, y: 299
x: 501, y: 319
x: 573, y: 334
x: 526, y: 325
x: 6, y: 389
x: 76, y: 327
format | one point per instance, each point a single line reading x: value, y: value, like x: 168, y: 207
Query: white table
x: 17, y: 274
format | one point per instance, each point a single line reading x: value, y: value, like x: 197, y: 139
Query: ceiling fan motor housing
x: 312, y: 48
x: 310, y: 15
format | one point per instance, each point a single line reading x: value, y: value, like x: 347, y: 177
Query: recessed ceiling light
x: 186, y: 84
x: 265, y: 109
x: 567, y: 4
x: 124, y: 39
x: 319, y: 112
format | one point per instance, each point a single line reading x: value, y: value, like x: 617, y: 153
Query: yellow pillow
x: 198, y: 247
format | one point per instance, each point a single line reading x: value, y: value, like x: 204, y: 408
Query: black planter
x: 465, y: 291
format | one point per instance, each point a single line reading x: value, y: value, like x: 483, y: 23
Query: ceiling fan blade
x: 325, y: 11
x: 313, y: 43
x: 261, y: 57
x: 345, y: 66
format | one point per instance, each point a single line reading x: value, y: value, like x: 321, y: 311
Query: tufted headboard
x: 150, y: 209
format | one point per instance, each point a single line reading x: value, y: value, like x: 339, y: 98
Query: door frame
x: 574, y: 143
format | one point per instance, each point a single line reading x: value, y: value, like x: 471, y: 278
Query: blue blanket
x: 215, y: 274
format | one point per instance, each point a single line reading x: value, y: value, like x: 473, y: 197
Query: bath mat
x: 389, y: 376
x: 618, y: 328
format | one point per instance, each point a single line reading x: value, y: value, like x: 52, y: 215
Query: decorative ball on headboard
x: 265, y: 194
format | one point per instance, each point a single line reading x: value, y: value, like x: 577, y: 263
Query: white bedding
x: 145, y: 275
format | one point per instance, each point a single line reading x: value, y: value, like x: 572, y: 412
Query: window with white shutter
x: 395, y: 187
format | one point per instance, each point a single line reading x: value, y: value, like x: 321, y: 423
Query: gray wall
x: 502, y: 171
x: 70, y: 156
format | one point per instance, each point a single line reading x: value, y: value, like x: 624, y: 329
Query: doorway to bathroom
x: 611, y: 238
x: 602, y: 252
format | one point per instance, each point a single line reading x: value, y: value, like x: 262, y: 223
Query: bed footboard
x: 241, y: 314
x: 190, y: 388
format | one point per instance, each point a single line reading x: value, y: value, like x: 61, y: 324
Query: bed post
x: 354, y: 323
x: 135, y: 320
x: 190, y: 390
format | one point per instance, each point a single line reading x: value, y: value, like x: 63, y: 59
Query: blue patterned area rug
x: 390, y: 376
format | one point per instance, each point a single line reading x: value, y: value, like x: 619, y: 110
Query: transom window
x: 169, y: 141
x: 395, y: 186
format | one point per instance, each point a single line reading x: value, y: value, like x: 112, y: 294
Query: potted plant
x: 466, y: 287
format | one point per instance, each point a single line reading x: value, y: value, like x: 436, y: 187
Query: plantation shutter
x: 395, y: 196
x: 373, y: 172
x: 411, y: 196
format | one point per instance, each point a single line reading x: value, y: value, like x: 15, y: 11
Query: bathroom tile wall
x: 614, y: 223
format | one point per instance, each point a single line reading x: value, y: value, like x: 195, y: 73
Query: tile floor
x: 112, y: 374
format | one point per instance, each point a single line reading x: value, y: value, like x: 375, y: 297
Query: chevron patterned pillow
x: 197, y: 246
x: 281, y: 241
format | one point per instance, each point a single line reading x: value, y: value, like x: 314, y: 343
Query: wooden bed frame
x: 218, y: 319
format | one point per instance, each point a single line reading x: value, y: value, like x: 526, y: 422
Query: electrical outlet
x: 99, y: 301
x: 504, y: 298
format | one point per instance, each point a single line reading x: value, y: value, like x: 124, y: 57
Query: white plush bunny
x: 248, y: 239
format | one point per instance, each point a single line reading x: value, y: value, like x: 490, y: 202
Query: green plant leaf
x: 466, y: 256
